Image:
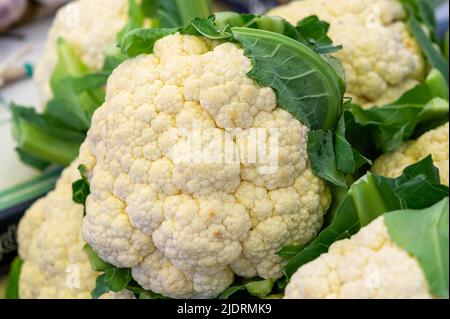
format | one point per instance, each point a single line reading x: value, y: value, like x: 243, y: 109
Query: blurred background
x: 23, y: 28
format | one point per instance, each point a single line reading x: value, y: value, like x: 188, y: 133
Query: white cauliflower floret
x: 381, y: 58
x: 434, y: 143
x: 368, y: 265
x: 291, y: 147
x: 90, y: 27
x: 157, y: 273
x: 50, y: 243
x: 199, y: 234
x: 187, y: 219
x: 285, y: 215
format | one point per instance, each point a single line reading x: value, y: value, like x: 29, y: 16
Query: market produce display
x: 234, y: 214
x: 237, y: 155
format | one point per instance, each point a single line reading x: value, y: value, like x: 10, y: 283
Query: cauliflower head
x: 382, y: 60
x: 434, y: 142
x: 186, y: 227
x: 367, y: 266
x: 90, y: 27
x: 50, y: 244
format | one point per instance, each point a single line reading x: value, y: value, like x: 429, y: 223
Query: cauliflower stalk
x: 383, y: 259
x: 183, y: 227
x: 389, y: 59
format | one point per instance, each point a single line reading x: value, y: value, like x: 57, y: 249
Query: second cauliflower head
x: 90, y: 27
x: 51, y: 246
x: 187, y: 227
x: 434, y: 143
x: 382, y: 60
x: 368, y: 265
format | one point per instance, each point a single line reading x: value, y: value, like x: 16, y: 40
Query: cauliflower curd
x: 55, y: 267
x: 434, y: 142
x: 89, y: 27
x: 185, y: 227
x: 381, y: 58
x: 367, y: 266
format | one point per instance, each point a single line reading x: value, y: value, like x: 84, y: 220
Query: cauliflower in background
x: 434, y: 142
x: 55, y: 266
x: 367, y: 266
x: 90, y: 27
x: 186, y: 227
x: 381, y: 58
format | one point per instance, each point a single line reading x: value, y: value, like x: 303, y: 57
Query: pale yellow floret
x: 434, y: 143
x: 367, y: 266
x: 381, y: 58
x: 50, y: 244
x: 187, y: 227
x: 90, y: 27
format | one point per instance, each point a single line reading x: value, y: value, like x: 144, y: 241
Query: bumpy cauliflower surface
x: 186, y: 227
x: 434, y: 143
x: 381, y: 58
x: 50, y: 243
x: 367, y: 266
x: 90, y: 27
